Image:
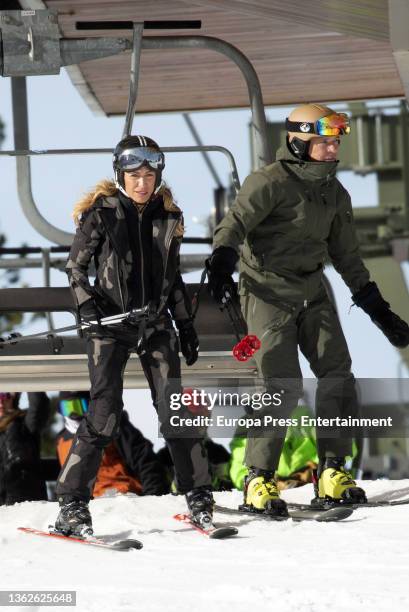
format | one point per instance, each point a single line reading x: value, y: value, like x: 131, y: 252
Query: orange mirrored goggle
x: 336, y: 124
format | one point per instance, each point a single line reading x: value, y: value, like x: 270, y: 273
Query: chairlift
x: 31, y: 45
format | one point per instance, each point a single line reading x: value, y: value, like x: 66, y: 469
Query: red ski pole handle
x: 246, y: 348
x: 252, y: 341
x: 241, y: 351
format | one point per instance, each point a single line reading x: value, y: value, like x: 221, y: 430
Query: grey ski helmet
x: 133, y: 152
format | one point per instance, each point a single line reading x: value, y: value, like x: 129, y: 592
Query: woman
x: 132, y: 229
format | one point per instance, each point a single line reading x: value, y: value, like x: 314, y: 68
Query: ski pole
x: 247, y: 345
x: 132, y: 316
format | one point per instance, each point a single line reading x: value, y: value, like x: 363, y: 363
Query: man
x: 290, y: 216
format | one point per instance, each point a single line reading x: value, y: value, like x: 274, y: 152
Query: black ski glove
x: 221, y: 266
x: 189, y: 342
x: 89, y: 311
x: 371, y: 301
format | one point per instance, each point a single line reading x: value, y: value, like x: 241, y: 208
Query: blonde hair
x: 107, y: 188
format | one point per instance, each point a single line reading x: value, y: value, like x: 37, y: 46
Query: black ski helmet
x: 133, y: 152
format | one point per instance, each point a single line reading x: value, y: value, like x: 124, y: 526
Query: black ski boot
x: 74, y: 518
x: 200, y: 503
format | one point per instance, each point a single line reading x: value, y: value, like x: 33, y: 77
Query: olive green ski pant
x: 314, y: 327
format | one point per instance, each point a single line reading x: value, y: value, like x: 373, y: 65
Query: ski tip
x: 181, y: 517
x: 128, y: 545
x: 123, y: 545
x: 223, y: 532
x: 335, y: 514
x: 215, y: 533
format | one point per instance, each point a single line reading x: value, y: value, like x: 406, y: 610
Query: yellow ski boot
x: 336, y: 485
x: 262, y: 496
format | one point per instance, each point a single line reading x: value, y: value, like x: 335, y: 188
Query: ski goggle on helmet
x: 133, y: 152
x: 74, y: 407
x: 335, y: 124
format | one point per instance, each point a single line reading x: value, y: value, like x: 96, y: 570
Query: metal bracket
x: 56, y: 343
x: 31, y: 43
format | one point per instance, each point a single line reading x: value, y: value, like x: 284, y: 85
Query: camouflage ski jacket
x: 103, y: 236
x: 291, y: 216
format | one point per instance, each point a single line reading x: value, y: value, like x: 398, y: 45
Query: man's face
x: 324, y: 148
x: 140, y: 184
x: 6, y: 403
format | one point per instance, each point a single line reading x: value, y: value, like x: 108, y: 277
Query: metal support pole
x: 378, y: 139
x: 188, y: 263
x: 360, y: 141
x: 205, y: 156
x: 404, y: 121
x: 258, y: 123
x: 134, y: 77
x: 14, y: 263
x: 24, y: 179
x: 21, y: 141
x: 45, y: 256
x: 34, y: 153
x: 264, y: 155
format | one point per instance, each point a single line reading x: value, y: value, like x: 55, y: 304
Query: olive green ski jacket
x: 291, y: 216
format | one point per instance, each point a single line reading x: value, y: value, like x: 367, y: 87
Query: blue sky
x: 59, y: 118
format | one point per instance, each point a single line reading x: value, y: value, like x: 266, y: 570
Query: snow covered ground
x: 358, y: 564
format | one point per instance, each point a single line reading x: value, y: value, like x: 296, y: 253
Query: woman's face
x: 6, y: 403
x: 140, y: 184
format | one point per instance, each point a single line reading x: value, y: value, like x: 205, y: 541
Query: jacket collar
x: 113, y: 216
x: 307, y: 170
x: 149, y: 208
x: 113, y: 203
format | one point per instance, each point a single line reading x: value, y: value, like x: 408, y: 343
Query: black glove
x: 89, y: 311
x: 371, y: 301
x: 221, y: 266
x: 189, y: 342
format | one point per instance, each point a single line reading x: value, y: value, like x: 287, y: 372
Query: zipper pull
x: 305, y: 303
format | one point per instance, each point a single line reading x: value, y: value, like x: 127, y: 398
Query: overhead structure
x: 327, y: 50
x: 72, y: 34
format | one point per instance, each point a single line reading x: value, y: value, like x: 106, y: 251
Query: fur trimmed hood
x: 107, y: 188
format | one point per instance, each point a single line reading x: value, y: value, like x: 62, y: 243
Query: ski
x: 217, y: 533
x: 298, y: 515
x: 330, y: 505
x: 121, y: 545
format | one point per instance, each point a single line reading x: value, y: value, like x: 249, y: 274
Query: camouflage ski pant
x: 107, y: 358
x: 316, y: 330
